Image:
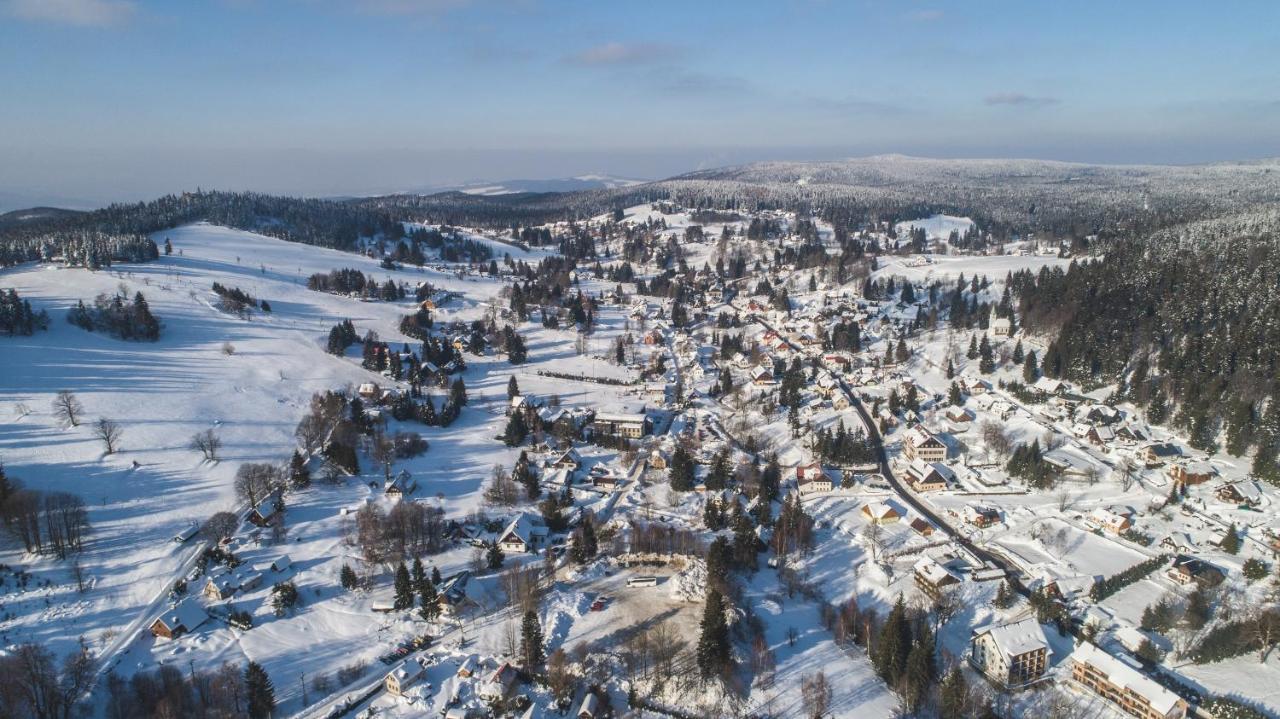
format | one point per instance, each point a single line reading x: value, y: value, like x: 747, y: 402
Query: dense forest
x: 1186, y: 322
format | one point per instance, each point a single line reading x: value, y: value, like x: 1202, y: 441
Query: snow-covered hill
x: 566, y: 184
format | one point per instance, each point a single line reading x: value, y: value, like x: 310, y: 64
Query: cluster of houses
x: 189, y: 613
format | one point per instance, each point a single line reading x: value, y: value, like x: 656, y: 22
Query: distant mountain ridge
x: 16, y: 218
x: 565, y: 184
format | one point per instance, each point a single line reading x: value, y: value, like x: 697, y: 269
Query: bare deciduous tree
x: 255, y: 481
x: 109, y: 431
x: 67, y: 408
x: 873, y: 536
x: 220, y: 526
x: 207, y: 443
x: 1126, y: 468
x: 815, y: 692
x: 995, y: 439
x: 1063, y: 498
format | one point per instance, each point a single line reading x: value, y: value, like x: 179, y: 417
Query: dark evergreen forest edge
x: 1180, y: 307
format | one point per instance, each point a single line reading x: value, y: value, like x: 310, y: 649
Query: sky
x: 114, y: 100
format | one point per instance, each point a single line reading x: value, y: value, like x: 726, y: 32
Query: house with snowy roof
x: 1242, y: 492
x: 1123, y: 684
x: 880, y: 513
x: 1013, y: 654
x: 918, y: 443
x: 932, y: 578
x: 523, y: 534
x: 181, y: 619
x: 404, y: 676
x: 812, y: 478
x: 929, y: 476
x: 1107, y: 520
x: 1192, y: 472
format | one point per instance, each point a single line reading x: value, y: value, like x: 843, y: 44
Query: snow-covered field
x: 936, y: 227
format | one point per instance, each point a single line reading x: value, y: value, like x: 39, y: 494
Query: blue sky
x: 123, y: 99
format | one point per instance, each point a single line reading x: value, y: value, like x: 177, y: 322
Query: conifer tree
x: 428, y: 602
x: 299, y: 475
x: 713, y: 650
x: 514, y: 434
x: 954, y: 695
x: 259, y: 692
x: 418, y: 575
x: 348, y: 577
x: 1030, y: 372
x: 494, y: 556
x: 1231, y: 542
x: 892, y: 644
x: 531, y: 643
x: 986, y: 364
x: 404, y: 588
x: 681, y: 470
x: 920, y: 670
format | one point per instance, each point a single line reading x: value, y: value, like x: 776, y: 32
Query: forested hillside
x: 1187, y: 320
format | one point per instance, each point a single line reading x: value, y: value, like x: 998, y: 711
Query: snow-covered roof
x: 1125, y: 676
x: 917, y: 436
x: 934, y: 573
x: 1016, y: 638
x: 879, y: 510
x: 187, y: 614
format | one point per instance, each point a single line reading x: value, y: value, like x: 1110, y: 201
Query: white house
x: 522, y: 535
x: 1013, y: 654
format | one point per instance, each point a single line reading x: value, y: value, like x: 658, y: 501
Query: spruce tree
x: 494, y: 556
x: 1030, y: 372
x: 954, y: 395
x: 713, y: 651
x: 513, y: 388
x: 428, y: 602
x: 404, y: 588
x: 954, y: 695
x: 418, y: 575
x: 348, y: 577
x: 514, y: 434
x: 531, y: 644
x: 920, y: 670
x: 299, y: 475
x: 259, y: 692
x: 1231, y: 542
x: 681, y: 470
x: 892, y: 644
x: 986, y: 364
x: 1005, y: 596
x: 1017, y: 353
x: 435, y: 576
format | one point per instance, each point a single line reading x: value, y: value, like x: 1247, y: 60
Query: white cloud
x: 618, y: 53
x: 83, y: 13
x: 1018, y: 98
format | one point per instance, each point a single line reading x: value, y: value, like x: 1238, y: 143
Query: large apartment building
x: 1013, y: 654
x: 1122, y: 684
